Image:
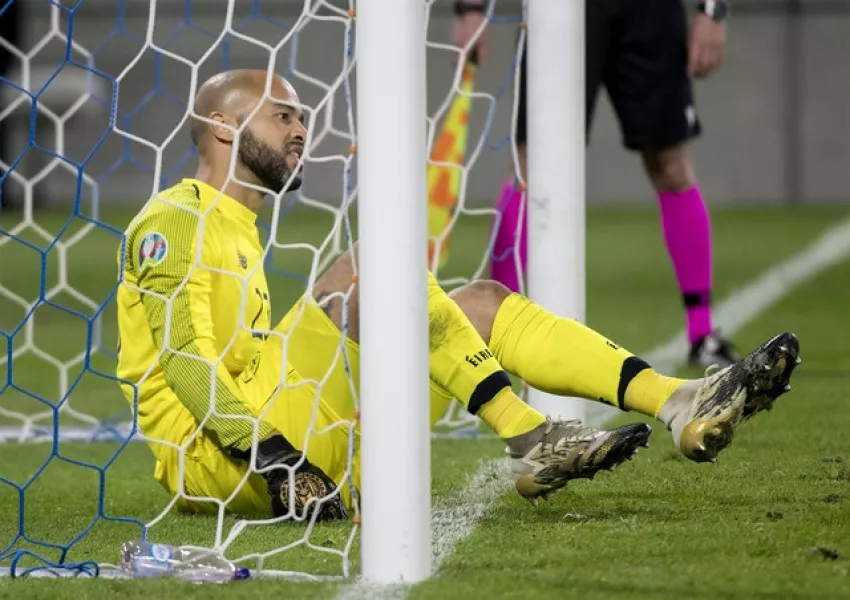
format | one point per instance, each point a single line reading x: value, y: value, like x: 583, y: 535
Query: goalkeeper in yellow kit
x: 261, y: 417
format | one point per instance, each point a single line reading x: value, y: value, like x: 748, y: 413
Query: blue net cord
x: 22, y: 551
x: 14, y: 555
x: 87, y: 568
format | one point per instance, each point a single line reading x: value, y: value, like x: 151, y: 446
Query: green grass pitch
x: 770, y: 520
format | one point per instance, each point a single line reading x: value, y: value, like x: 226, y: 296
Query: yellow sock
x: 562, y: 356
x: 508, y: 415
x: 463, y: 365
x: 648, y: 391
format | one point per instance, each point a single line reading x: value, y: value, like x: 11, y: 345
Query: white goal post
x: 391, y: 161
x: 556, y: 173
x: 395, y: 441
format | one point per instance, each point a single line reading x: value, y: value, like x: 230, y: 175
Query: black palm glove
x: 311, y: 483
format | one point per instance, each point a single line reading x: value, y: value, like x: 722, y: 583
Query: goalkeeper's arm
x: 182, y: 328
x: 185, y: 337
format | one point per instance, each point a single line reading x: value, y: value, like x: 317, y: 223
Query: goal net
x: 95, y: 112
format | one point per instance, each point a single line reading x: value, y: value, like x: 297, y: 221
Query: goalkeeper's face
x: 271, y: 146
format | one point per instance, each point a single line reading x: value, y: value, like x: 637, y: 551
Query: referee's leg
x: 653, y: 97
x: 509, y: 255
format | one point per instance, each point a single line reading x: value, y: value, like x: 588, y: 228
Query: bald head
x: 271, y: 131
x: 234, y: 94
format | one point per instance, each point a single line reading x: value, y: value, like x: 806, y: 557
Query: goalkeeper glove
x: 310, y: 482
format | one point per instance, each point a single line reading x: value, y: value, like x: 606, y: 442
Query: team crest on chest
x: 153, y: 250
x: 243, y: 260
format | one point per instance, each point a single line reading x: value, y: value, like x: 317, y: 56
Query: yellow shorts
x: 303, y: 383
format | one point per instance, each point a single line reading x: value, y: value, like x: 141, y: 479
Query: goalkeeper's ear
x: 216, y: 124
x: 223, y: 133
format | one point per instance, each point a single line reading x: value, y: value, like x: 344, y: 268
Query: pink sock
x: 503, y: 264
x: 687, y: 233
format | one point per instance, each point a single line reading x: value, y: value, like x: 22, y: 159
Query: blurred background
x: 776, y: 117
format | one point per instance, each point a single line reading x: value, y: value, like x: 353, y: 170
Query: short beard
x: 267, y: 164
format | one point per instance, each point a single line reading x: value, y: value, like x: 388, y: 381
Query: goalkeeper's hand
x: 310, y: 482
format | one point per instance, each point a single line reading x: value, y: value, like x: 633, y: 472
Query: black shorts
x: 638, y: 51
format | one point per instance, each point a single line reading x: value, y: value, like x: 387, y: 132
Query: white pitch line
x: 745, y: 304
x: 455, y: 516
x: 372, y: 591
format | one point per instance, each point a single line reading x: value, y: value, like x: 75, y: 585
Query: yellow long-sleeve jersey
x: 193, y: 310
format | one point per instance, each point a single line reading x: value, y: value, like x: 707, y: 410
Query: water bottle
x: 145, y: 559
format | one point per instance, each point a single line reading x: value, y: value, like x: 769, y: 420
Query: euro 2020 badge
x: 153, y: 250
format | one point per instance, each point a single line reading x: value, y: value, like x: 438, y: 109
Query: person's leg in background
x: 686, y: 226
x: 652, y: 94
x: 509, y: 255
x: 10, y: 30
